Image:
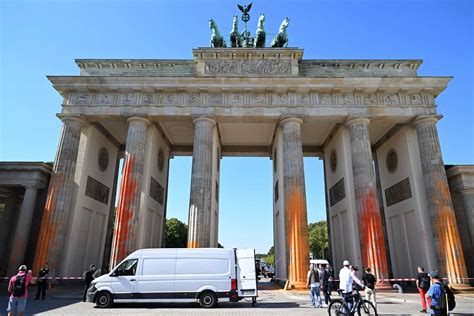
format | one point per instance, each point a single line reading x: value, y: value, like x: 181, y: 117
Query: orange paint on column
x: 373, y: 250
x: 193, y: 244
x: 297, y: 237
x: 48, y: 227
x: 449, y: 241
x: 124, y: 222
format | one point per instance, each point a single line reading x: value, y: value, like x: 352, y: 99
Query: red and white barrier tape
x: 383, y: 280
x: 55, y: 278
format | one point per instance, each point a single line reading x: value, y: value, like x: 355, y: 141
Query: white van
x: 204, y: 275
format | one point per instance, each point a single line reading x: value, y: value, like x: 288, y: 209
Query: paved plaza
x: 272, y: 301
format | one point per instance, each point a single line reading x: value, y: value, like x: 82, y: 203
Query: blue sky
x: 39, y: 38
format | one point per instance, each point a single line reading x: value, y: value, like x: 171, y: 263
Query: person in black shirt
x: 369, y: 281
x: 423, y: 282
x: 87, y: 277
x: 42, y: 282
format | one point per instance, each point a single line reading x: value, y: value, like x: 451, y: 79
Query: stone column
x: 22, y: 231
x: 6, y: 223
x: 369, y: 219
x: 445, y: 231
x: 126, y: 221
x: 199, y: 220
x: 51, y: 240
x: 468, y: 204
x: 295, y: 203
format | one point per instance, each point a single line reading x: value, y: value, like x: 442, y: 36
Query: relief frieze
x: 193, y: 99
x: 254, y: 99
x: 251, y: 67
x: 235, y: 99
x: 149, y: 99
x: 258, y: 99
x: 215, y: 99
x: 170, y: 99
x: 280, y: 99
x: 105, y: 99
x: 127, y: 98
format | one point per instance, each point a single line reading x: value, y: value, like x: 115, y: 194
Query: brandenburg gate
x: 372, y: 122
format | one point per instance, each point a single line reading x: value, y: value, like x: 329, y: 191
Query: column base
x: 385, y: 286
x: 297, y: 285
x: 460, y: 288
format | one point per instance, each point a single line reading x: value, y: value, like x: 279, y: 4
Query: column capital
x: 140, y: 119
x: 427, y: 119
x: 357, y: 119
x: 74, y: 118
x: 291, y: 120
x: 204, y: 119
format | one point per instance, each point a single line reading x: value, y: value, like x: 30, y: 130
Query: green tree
x: 176, y: 233
x: 269, y: 258
x: 318, y: 239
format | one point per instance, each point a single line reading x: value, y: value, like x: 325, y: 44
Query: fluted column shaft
x: 369, y: 218
x: 6, y: 223
x: 125, y: 228
x: 295, y: 202
x: 199, y: 220
x: 445, y: 231
x: 51, y: 240
x: 468, y: 205
x: 22, y: 231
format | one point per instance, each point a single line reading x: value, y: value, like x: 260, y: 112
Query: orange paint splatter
x: 48, y: 226
x: 296, y: 237
x: 447, y: 238
x: 123, y: 239
x: 193, y: 244
x: 373, y: 250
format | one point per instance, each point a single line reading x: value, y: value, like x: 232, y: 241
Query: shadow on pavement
x: 225, y: 305
x: 60, y: 296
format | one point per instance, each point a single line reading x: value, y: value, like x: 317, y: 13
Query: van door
x: 124, y: 281
x: 156, y: 282
x: 246, y: 277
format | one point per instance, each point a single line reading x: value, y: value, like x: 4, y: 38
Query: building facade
x: 373, y: 122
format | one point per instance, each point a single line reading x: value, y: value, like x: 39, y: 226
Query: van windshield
x: 128, y: 267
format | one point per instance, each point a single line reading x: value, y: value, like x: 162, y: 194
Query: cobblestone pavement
x: 271, y: 301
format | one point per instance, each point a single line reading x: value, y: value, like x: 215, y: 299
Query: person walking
x: 346, y: 278
x: 369, y: 281
x: 326, y: 286
x: 42, y: 282
x: 436, y: 295
x: 312, y: 282
x: 87, y: 277
x: 18, y: 290
x: 423, y: 284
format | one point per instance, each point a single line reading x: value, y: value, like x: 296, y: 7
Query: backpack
x: 424, y: 281
x: 19, y: 287
x: 449, y: 297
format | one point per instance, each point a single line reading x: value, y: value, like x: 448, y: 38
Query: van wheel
x: 208, y: 299
x: 104, y: 299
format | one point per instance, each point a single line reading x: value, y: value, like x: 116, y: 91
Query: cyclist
x: 346, y: 278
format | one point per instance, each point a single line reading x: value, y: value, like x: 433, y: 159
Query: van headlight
x: 92, y: 288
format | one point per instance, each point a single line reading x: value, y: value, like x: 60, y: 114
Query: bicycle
x: 340, y: 306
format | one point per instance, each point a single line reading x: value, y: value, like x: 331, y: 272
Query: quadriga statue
x: 281, y: 39
x: 260, y: 34
x: 235, y: 39
x: 216, y: 39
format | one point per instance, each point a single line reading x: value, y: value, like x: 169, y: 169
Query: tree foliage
x: 318, y: 240
x: 268, y: 258
x: 176, y: 233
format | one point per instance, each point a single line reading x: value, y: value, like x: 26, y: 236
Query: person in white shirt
x: 346, y: 277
